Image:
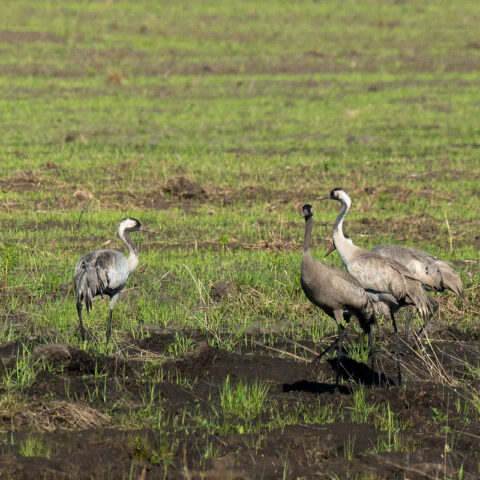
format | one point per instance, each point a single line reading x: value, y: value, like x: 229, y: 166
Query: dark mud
x: 77, y: 435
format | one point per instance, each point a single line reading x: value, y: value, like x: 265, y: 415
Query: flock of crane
x: 376, y: 282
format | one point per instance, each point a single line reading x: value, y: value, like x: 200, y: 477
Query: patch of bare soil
x: 8, y: 36
x: 76, y: 433
x: 416, y: 229
x: 24, y: 181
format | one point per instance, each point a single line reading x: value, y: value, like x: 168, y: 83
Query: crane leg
x: 113, y: 300
x: 408, y: 316
x: 372, y: 358
x: 397, y: 341
x: 109, y: 325
x: 339, y: 353
x: 82, y: 331
x: 325, y: 350
x: 341, y: 331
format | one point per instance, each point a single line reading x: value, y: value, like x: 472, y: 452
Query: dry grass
x: 48, y: 416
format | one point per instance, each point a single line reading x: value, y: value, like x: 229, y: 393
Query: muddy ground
x: 82, y: 441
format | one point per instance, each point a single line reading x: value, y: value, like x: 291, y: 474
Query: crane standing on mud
x: 336, y: 292
x: 106, y: 272
x: 391, y: 285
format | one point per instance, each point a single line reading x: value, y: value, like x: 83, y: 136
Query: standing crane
x: 390, y: 283
x: 336, y: 292
x: 433, y: 272
x: 106, y: 272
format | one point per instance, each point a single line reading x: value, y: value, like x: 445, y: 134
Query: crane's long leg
x: 113, y: 300
x: 372, y: 358
x: 341, y: 331
x: 326, y: 350
x: 79, y: 311
x: 408, y: 316
x: 397, y: 341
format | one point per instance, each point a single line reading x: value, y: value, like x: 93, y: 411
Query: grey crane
x: 433, y: 272
x: 336, y: 292
x: 105, y: 272
x: 390, y: 283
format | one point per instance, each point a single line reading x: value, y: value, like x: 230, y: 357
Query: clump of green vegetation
x: 9, y: 257
x: 242, y: 403
x: 34, y: 446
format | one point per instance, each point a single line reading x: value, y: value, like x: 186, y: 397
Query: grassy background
x: 263, y: 108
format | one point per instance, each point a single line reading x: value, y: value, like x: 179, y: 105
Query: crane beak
x: 324, y: 197
x: 330, y: 250
x: 143, y: 229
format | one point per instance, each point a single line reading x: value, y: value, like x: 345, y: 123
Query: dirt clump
x: 57, y: 355
x: 220, y: 290
x: 15, y: 37
x: 182, y: 187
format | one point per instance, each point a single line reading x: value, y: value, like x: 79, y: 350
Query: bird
x: 105, y: 272
x: 391, y: 284
x: 433, y: 272
x: 336, y: 292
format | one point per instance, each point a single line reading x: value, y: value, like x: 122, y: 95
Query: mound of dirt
x: 220, y: 290
x: 183, y: 187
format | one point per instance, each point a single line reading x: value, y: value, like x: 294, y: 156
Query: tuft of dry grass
x: 49, y: 416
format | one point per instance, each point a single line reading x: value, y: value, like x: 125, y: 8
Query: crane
x: 391, y: 285
x: 105, y: 272
x: 336, y: 292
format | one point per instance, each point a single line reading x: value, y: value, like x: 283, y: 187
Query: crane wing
x: 111, y: 267
x: 379, y: 274
x: 348, y: 293
x: 420, y: 264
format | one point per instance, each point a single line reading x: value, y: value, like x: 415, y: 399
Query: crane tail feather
x: 87, y: 284
x: 418, y: 297
x: 450, y: 278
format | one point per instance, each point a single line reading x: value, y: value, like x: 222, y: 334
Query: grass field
x: 213, y: 123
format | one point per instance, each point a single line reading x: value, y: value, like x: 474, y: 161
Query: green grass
x: 33, y: 446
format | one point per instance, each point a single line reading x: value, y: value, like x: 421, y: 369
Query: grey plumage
x: 105, y: 272
x: 382, y: 276
x: 433, y: 272
x: 336, y: 292
x: 391, y: 284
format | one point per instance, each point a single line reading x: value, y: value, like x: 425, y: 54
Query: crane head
x: 335, y: 194
x: 338, y: 194
x: 130, y: 224
x: 307, y: 211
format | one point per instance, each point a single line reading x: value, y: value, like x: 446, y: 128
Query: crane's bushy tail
x: 87, y: 283
x: 450, y: 278
x: 416, y: 294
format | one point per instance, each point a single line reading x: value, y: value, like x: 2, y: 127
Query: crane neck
x: 132, y: 260
x: 308, y: 234
x: 345, y: 248
x: 338, y: 225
